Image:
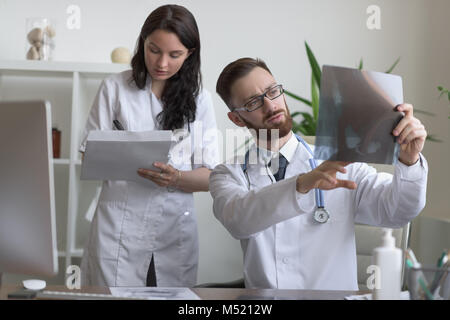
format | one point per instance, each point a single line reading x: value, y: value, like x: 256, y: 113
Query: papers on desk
x: 404, y: 295
x: 154, y: 293
x: 117, y: 155
x: 357, y: 117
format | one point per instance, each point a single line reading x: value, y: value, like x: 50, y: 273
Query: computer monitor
x: 27, y: 197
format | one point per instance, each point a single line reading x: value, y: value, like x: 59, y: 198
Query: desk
x: 8, y: 288
x: 271, y: 294
x: 220, y: 293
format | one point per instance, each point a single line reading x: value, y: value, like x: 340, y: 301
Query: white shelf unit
x: 70, y: 87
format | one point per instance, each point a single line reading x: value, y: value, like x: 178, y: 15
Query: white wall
x: 415, y: 30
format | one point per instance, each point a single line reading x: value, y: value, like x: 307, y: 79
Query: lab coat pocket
x: 123, y: 121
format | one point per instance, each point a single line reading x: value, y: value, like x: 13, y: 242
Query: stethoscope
x: 321, y: 214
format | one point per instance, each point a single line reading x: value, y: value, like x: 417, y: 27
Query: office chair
x: 367, y: 239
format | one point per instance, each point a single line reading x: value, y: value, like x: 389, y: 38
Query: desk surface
x: 270, y: 294
x: 220, y: 293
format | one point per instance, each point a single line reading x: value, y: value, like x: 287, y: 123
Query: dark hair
x: 233, y: 72
x: 181, y: 89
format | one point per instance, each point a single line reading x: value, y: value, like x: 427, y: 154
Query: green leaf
x: 314, y: 98
x: 306, y: 127
x: 360, y: 64
x: 296, y: 97
x: 440, y: 88
x: 309, y: 124
x: 303, y: 131
x: 432, y: 137
x: 295, y: 126
x: 424, y: 112
x: 449, y: 96
x: 393, y: 66
x: 307, y: 117
x: 294, y: 114
x: 315, y: 68
x: 298, y: 127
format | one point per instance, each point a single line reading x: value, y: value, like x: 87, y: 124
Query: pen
x: 441, y: 265
x: 443, y: 259
x: 446, y: 267
x: 118, y: 125
x: 419, y: 278
x: 412, y: 257
x: 411, y: 262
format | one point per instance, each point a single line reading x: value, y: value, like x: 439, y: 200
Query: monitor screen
x: 27, y: 204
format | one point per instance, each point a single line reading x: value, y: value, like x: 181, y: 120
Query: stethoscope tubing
x: 320, y: 203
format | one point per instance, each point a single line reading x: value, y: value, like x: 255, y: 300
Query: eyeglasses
x: 258, y: 101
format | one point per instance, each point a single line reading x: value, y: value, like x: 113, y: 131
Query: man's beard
x: 283, y: 128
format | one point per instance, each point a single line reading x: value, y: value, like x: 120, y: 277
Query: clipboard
x: 117, y: 155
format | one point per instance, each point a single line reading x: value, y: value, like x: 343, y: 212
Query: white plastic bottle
x: 389, y: 260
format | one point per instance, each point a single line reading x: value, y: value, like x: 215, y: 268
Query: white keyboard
x: 73, y: 295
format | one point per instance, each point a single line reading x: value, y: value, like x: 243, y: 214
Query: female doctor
x: 146, y: 233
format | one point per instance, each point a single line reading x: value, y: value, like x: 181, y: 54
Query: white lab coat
x: 283, y: 246
x: 134, y: 221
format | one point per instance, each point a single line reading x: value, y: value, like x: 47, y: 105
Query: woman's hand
x: 167, y: 177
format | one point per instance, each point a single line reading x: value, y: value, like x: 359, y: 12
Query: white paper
x: 154, y: 293
x: 404, y: 295
x: 117, y: 155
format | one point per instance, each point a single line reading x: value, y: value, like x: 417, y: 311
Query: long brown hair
x: 181, y: 90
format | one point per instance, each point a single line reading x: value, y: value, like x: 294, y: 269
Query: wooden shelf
x: 66, y: 162
x: 61, y: 161
x: 78, y: 253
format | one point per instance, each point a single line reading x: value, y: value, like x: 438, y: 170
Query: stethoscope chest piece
x: 321, y: 215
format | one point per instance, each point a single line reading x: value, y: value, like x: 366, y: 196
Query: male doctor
x: 296, y: 225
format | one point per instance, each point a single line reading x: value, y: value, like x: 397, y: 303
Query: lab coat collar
x: 158, y: 108
x: 287, y: 150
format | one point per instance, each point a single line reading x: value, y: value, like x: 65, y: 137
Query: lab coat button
x: 285, y: 260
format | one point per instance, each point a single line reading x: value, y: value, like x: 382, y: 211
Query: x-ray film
x: 357, y: 116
